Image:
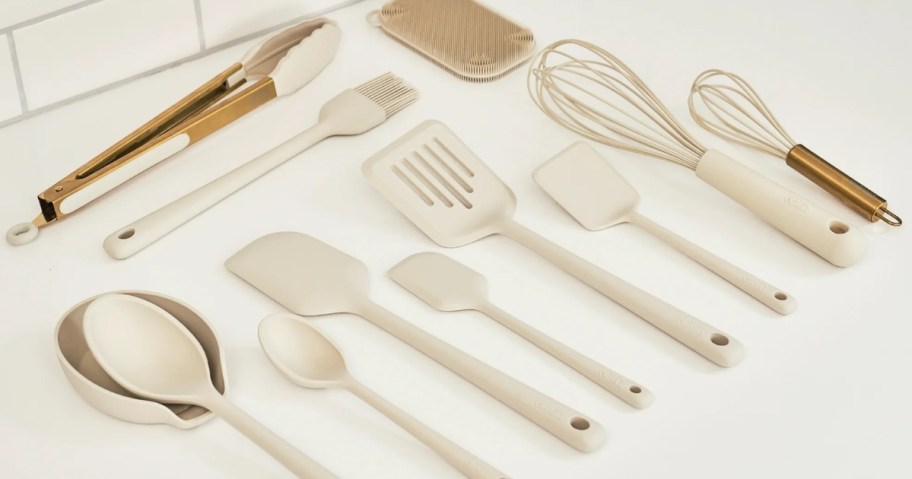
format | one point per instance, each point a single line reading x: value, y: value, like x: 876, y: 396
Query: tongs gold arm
x: 205, y: 110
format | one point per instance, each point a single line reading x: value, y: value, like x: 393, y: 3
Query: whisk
x: 588, y: 90
x: 741, y: 116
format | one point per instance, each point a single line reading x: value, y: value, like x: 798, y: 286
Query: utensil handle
x: 132, y: 238
x: 818, y: 230
x: 612, y: 381
x: 288, y: 455
x: 706, y: 340
x: 464, y: 461
x: 564, y: 423
x: 771, y: 296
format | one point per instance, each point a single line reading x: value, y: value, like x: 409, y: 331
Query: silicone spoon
x: 306, y: 357
x: 311, y: 278
x: 150, y: 353
x: 447, y: 285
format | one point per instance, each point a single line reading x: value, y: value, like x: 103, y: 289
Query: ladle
x: 150, y: 353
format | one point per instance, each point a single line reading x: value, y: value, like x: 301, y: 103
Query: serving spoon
x: 306, y: 357
x: 150, y: 353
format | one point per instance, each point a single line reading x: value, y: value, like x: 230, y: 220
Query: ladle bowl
x: 98, y: 389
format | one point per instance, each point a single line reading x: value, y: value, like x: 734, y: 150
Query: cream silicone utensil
x: 588, y: 188
x: 306, y: 357
x: 103, y: 393
x: 591, y: 92
x: 448, y: 285
x: 444, y: 189
x: 150, y: 353
x: 278, y: 66
x: 352, y: 112
x: 311, y: 278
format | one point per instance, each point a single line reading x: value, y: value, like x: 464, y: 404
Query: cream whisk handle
x: 817, y: 229
x: 771, y: 296
x: 704, y: 339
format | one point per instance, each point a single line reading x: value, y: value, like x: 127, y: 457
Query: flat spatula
x: 311, y: 278
x: 588, y: 188
x: 443, y: 188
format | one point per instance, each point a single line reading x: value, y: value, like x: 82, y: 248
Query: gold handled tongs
x: 278, y: 66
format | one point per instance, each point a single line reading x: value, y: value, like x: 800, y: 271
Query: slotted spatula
x: 311, y: 278
x: 448, y: 285
x: 588, y: 188
x: 444, y: 189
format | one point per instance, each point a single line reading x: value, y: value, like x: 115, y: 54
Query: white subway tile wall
x: 63, y: 50
x: 96, y: 45
x: 225, y: 20
x: 18, y: 11
x: 9, y: 94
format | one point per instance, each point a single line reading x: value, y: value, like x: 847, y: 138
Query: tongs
x: 278, y: 66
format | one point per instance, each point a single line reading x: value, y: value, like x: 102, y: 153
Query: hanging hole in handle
x: 719, y: 339
x: 889, y: 217
x: 636, y: 389
x: 127, y: 234
x: 781, y: 296
x: 579, y: 424
x: 839, y: 227
x: 21, y: 234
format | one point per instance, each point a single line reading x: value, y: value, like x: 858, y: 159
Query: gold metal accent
x: 852, y: 193
x: 197, y: 115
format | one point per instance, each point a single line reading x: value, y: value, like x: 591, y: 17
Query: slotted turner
x: 448, y: 285
x: 444, y: 189
x: 588, y: 188
x: 311, y: 278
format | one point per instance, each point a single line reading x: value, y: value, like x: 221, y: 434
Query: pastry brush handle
x: 564, y: 423
x: 771, y: 296
x: 610, y: 380
x: 704, y: 339
x: 136, y: 236
x: 817, y: 229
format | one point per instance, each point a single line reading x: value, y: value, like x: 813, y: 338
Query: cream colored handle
x: 773, y: 297
x: 817, y: 229
x: 464, y: 461
x: 288, y: 455
x: 704, y: 339
x: 136, y: 236
x: 564, y: 423
x: 612, y: 381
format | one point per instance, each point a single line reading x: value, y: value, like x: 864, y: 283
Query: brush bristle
x: 389, y: 92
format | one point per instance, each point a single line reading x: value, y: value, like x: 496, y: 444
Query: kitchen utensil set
x: 149, y: 359
x: 280, y: 65
x: 590, y: 91
x: 448, y: 193
x: 311, y: 278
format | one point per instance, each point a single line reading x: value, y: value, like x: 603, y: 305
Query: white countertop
x: 820, y: 393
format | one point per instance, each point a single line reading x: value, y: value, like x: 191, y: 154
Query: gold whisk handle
x: 850, y: 192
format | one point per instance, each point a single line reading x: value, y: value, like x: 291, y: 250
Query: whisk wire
x: 598, y: 96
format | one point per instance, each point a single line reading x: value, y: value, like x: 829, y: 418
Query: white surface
x: 820, y: 393
x: 101, y: 43
x: 17, y: 11
x: 9, y: 96
x: 226, y: 20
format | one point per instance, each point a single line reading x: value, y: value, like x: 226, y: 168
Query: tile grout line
x: 161, y: 68
x: 197, y: 6
x: 48, y: 16
x: 17, y: 73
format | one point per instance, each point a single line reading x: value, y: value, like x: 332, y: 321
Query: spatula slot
x: 432, y: 170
